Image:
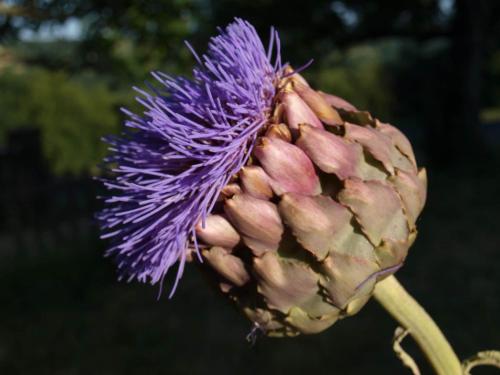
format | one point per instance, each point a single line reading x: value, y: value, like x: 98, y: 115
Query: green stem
x: 406, y: 310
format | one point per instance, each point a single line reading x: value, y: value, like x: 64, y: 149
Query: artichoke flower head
x: 295, y: 202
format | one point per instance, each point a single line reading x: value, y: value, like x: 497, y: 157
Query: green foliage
x: 358, y: 75
x: 415, y: 82
x: 72, y: 115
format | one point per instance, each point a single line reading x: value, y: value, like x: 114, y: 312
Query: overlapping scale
x: 325, y: 208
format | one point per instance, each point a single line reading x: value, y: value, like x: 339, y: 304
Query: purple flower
x: 170, y: 166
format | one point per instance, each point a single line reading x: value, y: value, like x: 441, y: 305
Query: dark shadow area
x: 430, y: 67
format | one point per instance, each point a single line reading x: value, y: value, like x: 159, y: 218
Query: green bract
x: 324, y: 209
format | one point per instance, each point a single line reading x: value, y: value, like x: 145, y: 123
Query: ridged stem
x: 407, y: 311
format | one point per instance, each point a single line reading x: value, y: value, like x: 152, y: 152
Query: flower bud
x: 378, y: 209
x: 399, y: 140
x: 293, y: 76
x: 297, y: 112
x: 318, y: 104
x: 376, y: 143
x: 412, y: 190
x: 257, y: 220
x: 325, y: 212
x: 315, y: 221
x: 230, y: 189
x: 280, y: 131
x: 217, y: 232
x: 346, y: 273
x: 255, y: 182
x: 230, y: 267
x: 311, y: 217
x: 286, y: 284
x: 287, y: 165
x: 329, y: 152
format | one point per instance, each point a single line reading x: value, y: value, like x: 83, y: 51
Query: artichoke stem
x: 408, y: 312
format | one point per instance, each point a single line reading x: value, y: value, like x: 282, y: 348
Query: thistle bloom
x: 297, y: 202
x: 192, y: 138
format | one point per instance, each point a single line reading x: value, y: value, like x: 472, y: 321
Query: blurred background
x: 432, y: 67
